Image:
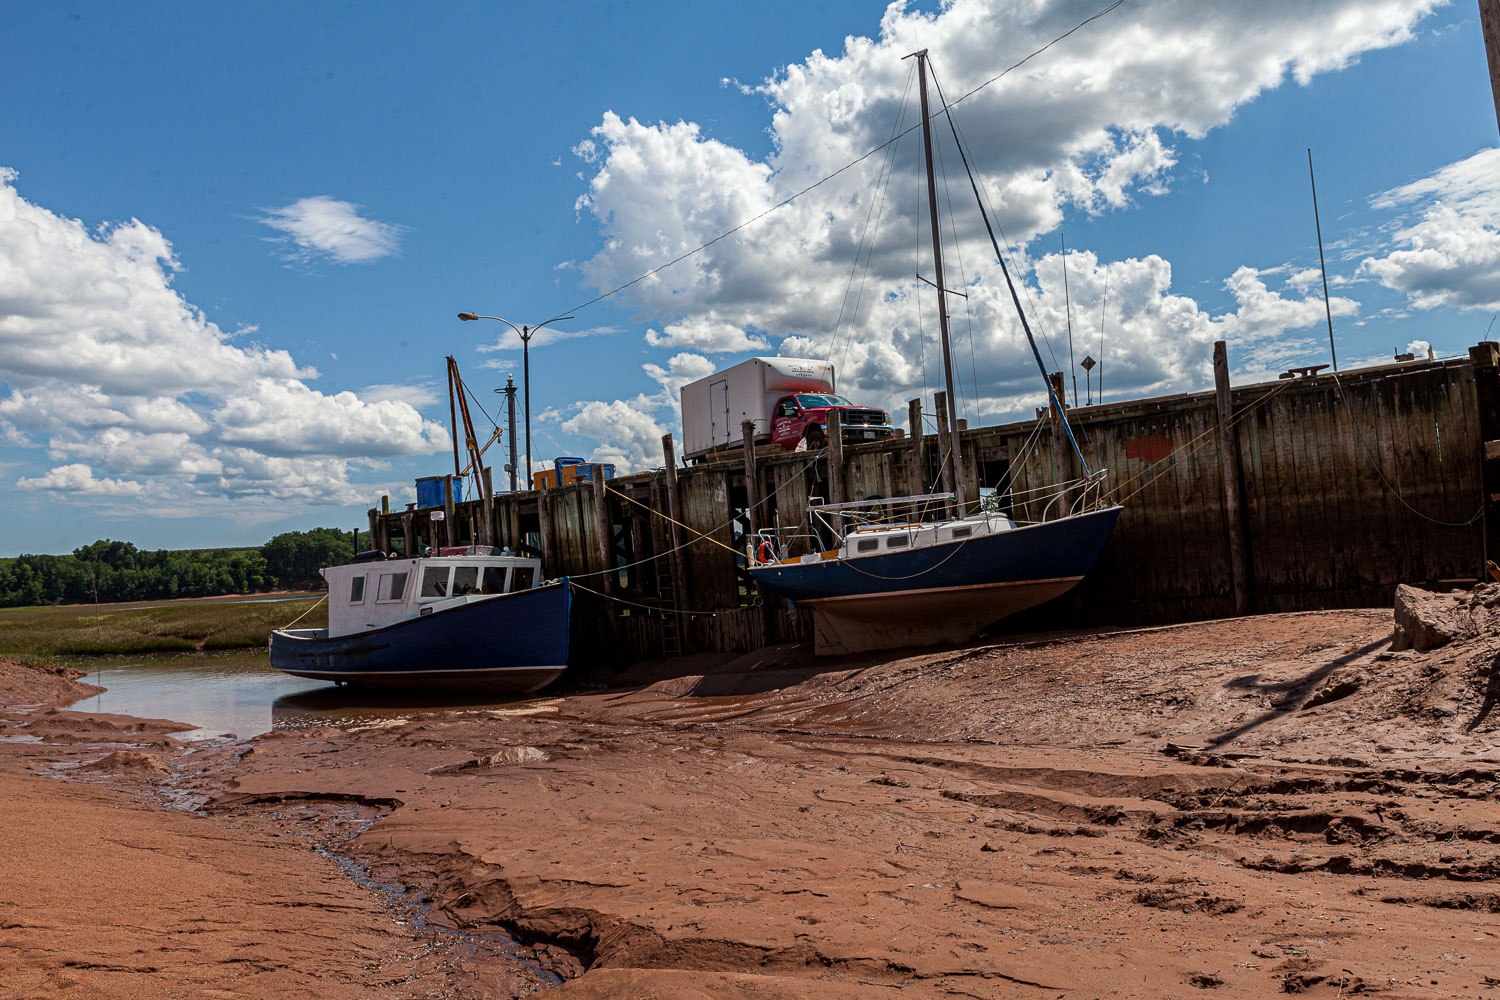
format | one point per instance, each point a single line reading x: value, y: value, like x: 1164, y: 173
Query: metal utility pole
x: 1489, y: 22
x: 1328, y: 309
x: 525, y: 333
x: 510, y: 422
x: 937, y: 265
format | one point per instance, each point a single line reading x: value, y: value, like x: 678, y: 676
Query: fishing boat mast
x: 951, y: 472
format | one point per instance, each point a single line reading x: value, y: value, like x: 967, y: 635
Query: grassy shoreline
x: 75, y: 634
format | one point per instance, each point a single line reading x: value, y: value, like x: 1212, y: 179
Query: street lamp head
x: 467, y: 316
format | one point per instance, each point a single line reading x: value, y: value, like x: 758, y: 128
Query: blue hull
x: 513, y: 643
x: 1053, y: 550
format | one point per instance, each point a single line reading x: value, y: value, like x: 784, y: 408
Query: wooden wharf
x: 1320, y: 491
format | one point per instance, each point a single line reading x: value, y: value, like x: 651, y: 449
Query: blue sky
x: 233, y: 240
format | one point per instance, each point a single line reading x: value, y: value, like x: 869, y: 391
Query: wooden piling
x: 604, y: 529
x: 1229, y: 463
x: 544, y: 530
x: 835, y: 433
x: 408, y: 534
x: 1062, y: 450
x: 887, y: 479
x: 918, y: 460
x: 487, y: 509
x: 945, y: 447
x: 375, y: 525
x: 752, y: 485
x: 1486, y: 360
x: 450, y: 513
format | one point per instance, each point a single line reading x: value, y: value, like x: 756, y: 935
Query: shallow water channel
x: 238, y: 693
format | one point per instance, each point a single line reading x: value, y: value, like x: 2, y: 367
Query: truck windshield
x: 808, y: 400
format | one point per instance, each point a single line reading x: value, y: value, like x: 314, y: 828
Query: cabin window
x: 962, y: 532
x: 897, y: 542
x: 357, y: 590
x: 867, y: 544
x: 465, y: 580
x: 435, y: 581
x: 493, y: 580
x: 392, y: 587
x: 520, y: 578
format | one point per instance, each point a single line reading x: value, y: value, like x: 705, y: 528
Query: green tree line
x: 108, y: 571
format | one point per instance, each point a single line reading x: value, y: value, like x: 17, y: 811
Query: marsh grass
x: 50, y: 635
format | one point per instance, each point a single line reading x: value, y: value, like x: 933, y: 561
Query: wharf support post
x: 1229, y: 463
x: 1486, y: 360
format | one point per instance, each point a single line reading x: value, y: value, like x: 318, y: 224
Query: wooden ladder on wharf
x: 671, y: 620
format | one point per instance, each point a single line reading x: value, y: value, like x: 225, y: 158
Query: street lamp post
x: 525, y: 333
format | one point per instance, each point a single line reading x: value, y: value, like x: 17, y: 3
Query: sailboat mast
x: 951, y: 464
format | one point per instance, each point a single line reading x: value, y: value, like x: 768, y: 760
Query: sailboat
x: 891, y: 578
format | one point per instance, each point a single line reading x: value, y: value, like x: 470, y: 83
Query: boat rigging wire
x: 828, y: 177
x: 1035, y: 311
x: 1056, y: 403
x: 883, y: 182
x: 700, y: 536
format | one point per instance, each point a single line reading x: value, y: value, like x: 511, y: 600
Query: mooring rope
x: 303, y: 614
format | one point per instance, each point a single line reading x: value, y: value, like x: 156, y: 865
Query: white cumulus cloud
x: 1449, y: 251
x: 321, y: 227
x: 103, y: 357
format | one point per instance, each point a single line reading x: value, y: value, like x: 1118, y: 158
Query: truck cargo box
x: 713, y: 407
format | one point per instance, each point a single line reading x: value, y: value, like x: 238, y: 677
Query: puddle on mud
x: 239, y: 693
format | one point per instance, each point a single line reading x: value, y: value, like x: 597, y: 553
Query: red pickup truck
x: 803, y: 416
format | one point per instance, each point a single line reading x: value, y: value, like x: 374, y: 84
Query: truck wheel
x: 816, y: 437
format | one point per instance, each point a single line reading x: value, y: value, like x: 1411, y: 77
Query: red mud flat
x: 1280, y: 804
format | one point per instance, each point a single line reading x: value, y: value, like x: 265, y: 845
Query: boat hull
x: 944, y: 593
x: 511, y: 643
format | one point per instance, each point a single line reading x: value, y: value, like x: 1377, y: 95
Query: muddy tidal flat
x: 1279, y: 804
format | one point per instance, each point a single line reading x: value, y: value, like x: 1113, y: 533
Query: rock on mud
x: 126, y: 761
x: 1425, y: 620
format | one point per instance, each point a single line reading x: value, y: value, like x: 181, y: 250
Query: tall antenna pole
x: 1103, y: 305
x: 1328, y: 309
x: 937, y: 264
x: 1072, y: 368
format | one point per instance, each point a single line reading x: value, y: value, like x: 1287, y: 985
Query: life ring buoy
x: 766, y: 553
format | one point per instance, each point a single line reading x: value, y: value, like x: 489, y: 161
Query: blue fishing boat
x: 474, y: 619
x: 883, y: 573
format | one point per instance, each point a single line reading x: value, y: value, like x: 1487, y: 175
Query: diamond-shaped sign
x: 1088, y: 363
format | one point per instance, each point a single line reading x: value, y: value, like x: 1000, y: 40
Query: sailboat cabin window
x: 435, y: 581
x: 521, y: 578
x: 465, y: 580
x: 962, y: 532
x: 868, y: 544
x: 897, y: 542
x: 493, y: 581
x: 392, y: 587
x: 357, y: 590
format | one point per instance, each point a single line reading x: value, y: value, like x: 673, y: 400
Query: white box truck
x: 787, y: 398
